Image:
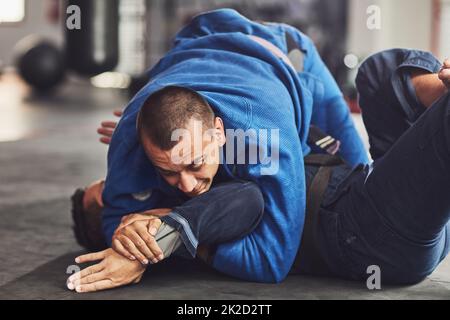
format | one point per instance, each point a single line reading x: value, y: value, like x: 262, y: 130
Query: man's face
x: 193, y: 162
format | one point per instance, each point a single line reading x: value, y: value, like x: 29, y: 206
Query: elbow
x: 280, y: 276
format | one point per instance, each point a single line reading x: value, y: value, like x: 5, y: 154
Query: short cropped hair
x: 169, y: 109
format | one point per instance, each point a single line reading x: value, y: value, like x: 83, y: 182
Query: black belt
x: 314, y: 197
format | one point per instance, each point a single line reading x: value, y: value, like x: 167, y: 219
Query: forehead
x: 191, y: 146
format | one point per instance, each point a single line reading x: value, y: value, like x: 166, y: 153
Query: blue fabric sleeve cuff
x: 176, y: 221
x: 402, y: 84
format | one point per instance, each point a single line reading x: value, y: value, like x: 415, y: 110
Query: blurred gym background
x: 136, y: 33
x: 130, y: 36
x: 57, y: 85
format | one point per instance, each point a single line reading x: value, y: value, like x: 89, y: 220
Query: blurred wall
x: 444, y: 36
x: 404, y: 23
x: 35, y: 23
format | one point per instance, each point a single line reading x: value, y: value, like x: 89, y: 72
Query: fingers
x: 136, y: 241
x: 91, y: 257
x: 135, y: 238
x: 109, y: 124
x: 105, y: 131
x: 126, y: 220
x: 447, y: 63
x: 120, y: 249
x: 95, y: 286
x: 89, y: 275
x: 134, y: 217
x: 141, y: 245
x: 105, y: 140
x: 112, y: 272
x: 107, y: 128
x: 129, y: 245
x: 444, y: 76
x: 152, y: 250
x: 86, y: 272
x: 153, y: 226
x: 106, y: 135
x: 444, y: 73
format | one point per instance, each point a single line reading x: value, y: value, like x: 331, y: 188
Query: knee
x: 227, y: 212
x: 376, y: 70
x: 244, y: 207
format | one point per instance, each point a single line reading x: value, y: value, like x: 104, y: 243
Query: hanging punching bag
x: 92, y: 47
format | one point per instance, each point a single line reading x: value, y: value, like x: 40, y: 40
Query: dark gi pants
x: 395, y: 213
x: 228, y: 211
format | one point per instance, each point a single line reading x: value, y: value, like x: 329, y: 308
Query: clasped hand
x: 133, y: 245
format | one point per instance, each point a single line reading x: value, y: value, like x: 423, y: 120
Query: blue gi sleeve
x: 131, y: 183
x: 330, y: 111
x: 267, y: 254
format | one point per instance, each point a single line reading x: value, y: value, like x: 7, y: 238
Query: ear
x: 220, y: 131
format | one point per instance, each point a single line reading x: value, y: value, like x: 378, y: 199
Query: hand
x: 444, y: 74
x: 135, y: 239
x: 107, y: 128
x: 113, y: 271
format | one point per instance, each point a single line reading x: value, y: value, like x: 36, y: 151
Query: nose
x: 187, y: 182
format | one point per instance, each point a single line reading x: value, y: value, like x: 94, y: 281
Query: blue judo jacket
x: 249, y: 88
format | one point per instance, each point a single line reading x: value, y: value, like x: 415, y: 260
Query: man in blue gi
x: 224, y: 71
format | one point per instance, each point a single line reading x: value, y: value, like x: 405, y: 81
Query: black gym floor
x: 48, y: 147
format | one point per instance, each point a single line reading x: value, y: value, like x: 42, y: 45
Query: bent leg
x: 411, y: 183
x: 227, y: 212
x: 397, y: 216
x: 387, y: 94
